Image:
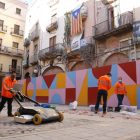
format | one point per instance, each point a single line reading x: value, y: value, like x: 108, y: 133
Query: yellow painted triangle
x: 82, y: 99
x: 24, y: 88
x: 139, y: 85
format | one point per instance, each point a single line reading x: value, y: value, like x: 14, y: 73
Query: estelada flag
x: 68, y: 48
x: 76, y: 21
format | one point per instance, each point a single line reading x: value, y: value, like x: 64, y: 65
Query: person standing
x: 104, y: 84
x: 120, y: 90
x: 7, y: 96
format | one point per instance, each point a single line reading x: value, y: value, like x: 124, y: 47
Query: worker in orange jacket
x: 7, y: 96
x: 120, y: 90
x: 104, y: 84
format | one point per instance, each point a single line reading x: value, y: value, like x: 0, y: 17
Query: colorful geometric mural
x: 81, y: 85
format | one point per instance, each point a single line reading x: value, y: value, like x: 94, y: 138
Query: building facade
x: 46, y: 22
x: 12, y: 24
x: 113, y: 32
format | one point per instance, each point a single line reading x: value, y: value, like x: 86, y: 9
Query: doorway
x: 14, y: 64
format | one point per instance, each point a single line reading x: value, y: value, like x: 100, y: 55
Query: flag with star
x: 76, y: 21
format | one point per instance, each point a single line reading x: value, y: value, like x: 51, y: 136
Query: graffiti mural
x: 81, y: 85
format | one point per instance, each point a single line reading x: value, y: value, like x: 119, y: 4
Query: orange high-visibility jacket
x: 7, y: 84
x: 120, y: 89
x: 104, y: 83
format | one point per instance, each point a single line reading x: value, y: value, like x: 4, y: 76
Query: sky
x: 30, y: 2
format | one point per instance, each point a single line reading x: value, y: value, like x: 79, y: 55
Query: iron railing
x: 87, y: 41
x: 11, y: 50
x: 54, y: 50
x: 105, y: 2
x: 26, y: 42
x: 1, y: 67
x: 3, y: 28
x: 53, y: 24
x: 17, y: 69
x: 34, y: 35
x: 17, y: 32
x: 33, y: 59
x: 25, y: 63
x: 113, y: 23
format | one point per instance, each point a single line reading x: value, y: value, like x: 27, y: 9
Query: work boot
x: 11, y: 115
x: 96, y: 112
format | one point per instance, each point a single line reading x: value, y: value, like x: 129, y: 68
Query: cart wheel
x: 37, y: 119
x: 61, y: 117
x: 16, y: 114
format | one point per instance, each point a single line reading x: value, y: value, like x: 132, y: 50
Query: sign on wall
x: 136, y: 32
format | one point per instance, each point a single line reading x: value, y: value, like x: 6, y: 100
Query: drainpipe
x: 95, y: 33
x: 135, y: 52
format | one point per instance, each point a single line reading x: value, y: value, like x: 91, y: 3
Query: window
x: 15, y: 45
x: 16, y: 29
x: 1, y: 25
x: 35, y: 49
x: 2, y: 5
x: 53, y: 18
x: 14, y: 64
x: 18, y: 11
x: 52, y: 44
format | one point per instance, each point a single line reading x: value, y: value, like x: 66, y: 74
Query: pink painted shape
x: 80, y: 76
x: 69, y: 83
x: 61, y: 92
x: 138, y: 71
x: 21, y: 81
x: 113, y: 101
x: 39, y: 82
x: 30, y: 86
x: 126, y: 79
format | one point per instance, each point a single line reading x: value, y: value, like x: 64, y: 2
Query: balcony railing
x: 26, y: 42
x: 53, y: 25
x: 33, y: 59
x: 114, y: 25
x: 17, y: 69
x: 11, y: 51
x: 52, y: 51
x: 106, y: 2
x: 25, y: 63
x: 3, y: 28
x: 87, y: 41
x: 1, y: 67
x: 34, y: 35
x: 17, y: 32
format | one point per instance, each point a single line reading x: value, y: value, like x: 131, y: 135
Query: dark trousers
x: 120, y: 99
x: 9, y: 107
x: 100, y: 94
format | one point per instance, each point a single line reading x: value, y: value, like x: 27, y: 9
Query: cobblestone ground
x: 76, y: 125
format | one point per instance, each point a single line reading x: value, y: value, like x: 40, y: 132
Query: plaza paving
x: 80, y: 124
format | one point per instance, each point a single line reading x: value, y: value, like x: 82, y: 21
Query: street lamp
x: 59, y: 58
x: 36, y: 70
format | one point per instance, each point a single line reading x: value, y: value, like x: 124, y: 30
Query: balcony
x: 11, y: 51
x: 52, y: 2
x: 53, y: 25
x: 17, y: 69
x: 51, y: 52
x: 34, y: 35
x: 106, y: 2
x: 1, y: 67
x: 25, y: 63
x: 33, y: 59
x: 26, y: 42
x: 115, y: 25
x: 16, y: 32
x: 3, y: 29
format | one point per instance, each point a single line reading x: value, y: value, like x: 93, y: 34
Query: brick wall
x: 116, y: 59
x: 80, y: 66
x: 53, y: 70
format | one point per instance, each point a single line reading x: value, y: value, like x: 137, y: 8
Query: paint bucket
x: 92, y: 108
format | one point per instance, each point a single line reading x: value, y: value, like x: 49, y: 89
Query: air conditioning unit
x: 84, y: 12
